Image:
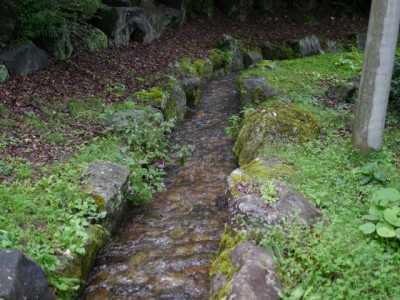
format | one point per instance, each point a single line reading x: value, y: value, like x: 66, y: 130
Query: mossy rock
x: 222, y: 271
x: 268, y: 168
x: 277, y: 52
x: 254, y: 90
x: 78, y: 266
x: 95, y: 40
x: 169, y: 97
x: 3, y: 74
x: 216, y: 59
x: 271, y: 123
x: 154, y: 97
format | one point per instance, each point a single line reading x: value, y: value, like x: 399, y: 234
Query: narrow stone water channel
x: 164, y: 250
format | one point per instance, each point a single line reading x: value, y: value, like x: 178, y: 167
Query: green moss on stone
x: 257, y: 169
x: 200, y: 67
x: 95, y: 40
x: 216, y: 59
x: 276, y: 122
x: 155, y: 97
x: 3, y: 74
x: 229, y: 240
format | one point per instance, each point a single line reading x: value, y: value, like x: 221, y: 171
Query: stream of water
x: 164, y: 250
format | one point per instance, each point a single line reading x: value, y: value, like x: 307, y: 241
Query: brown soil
x: 88, y: 74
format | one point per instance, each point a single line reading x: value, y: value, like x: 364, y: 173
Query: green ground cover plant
x: 44, y: 212
x: 338, y: 258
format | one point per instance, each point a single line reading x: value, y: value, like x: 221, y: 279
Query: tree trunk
x: 376, y: 75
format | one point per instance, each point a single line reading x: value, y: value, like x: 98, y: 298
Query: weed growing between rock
x: 334, y: 259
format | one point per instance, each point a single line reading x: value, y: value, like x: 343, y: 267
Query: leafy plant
x: 49, y: 18
x: 371, y: 173
x: 234, y: 124
x: 269, y: 191
x: 384, y: 214
x: 5, y: 168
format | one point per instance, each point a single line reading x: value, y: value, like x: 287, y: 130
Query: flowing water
x: 164, y: 250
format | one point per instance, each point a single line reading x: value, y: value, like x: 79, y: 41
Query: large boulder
x: 256, y: 195
x: 270, y: 123
x: 230, y: 52
x: 254, y: 90
x: 154, y: 16
x: 256, y: 277
x: 25, y: 59
x: 106, y: 183
x: 277, y: 52
x: 3, y: 74
x: 250, y: 206
x: 121, y: 24
x: 21, y: 278
x: 94, y: 40
x: 250, y: 57
x: 236, y: 9
x: 191, y: 86
x: 8, y: 21
x: 61, y: 46
x: 307, y: 46
x: 344, y: 92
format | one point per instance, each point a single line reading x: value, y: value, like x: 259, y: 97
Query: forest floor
x: 41, y: 118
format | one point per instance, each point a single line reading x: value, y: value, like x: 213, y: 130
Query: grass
x: 334, y: 259
x: 44, y: 213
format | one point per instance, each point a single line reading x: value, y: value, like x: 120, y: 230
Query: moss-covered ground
x: 334, y: 259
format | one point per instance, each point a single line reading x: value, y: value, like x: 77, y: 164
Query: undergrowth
x: 334, y: 259
x: 48, y: 217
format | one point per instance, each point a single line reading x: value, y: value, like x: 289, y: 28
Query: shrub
x: 48, y: 18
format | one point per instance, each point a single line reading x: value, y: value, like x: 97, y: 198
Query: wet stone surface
x: 164, y: 250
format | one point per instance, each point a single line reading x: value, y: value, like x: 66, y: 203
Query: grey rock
x: 276, y: 52
x: 251, y: 57
x: 257, y: 277
x: 250, y: 209
x: 218, y: 282
x: 173, y: 17
x: 357, y: 39
x: 21, y: 277
x: 121, y: 24
x: 25, y: 59
x: 230, y: 45
x: 307, y: 46
x: 254, y: 90
x: 155, y: 17
x: 343, y: 92
x: 60, y: 47
x: 332, y: 46
x: 191, y: 86
x: 176, y: 103
x: 121, y: 120
x: 8, y: 21
x: 107, y: 183
x: 3, y: 74
x: 94, y: 40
